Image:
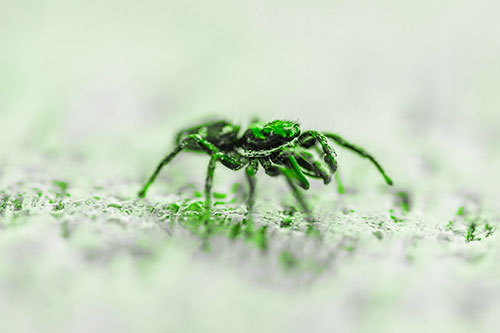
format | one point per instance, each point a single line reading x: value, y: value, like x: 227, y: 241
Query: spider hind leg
x: 251, y: 170
x: 190, y: 142
x: 186, y: 143
x: 164, y: 162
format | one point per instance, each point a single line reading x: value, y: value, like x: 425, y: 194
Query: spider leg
x: 290, y: 175
x: 165, y: 161
x: 209, y: 181
x: 297, y: 173
x: 330, y: 156
x: 342, y: 142
x: 311, y: 166
x: 315, y: 168
x: 194, y: 138
x: 340, y: 186
x: 287, y: 158
x: 251, y: 170
x: 270, y: 168
x: 229, y: 162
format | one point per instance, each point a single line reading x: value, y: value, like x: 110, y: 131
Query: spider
x: 279, y: 146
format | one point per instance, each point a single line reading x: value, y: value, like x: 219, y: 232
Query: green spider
x: 278, y: 146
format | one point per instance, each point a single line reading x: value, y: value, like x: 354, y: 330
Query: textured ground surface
x: 81, y: 253
x: 92, y: 94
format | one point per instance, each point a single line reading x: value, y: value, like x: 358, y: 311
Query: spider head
x: 269, y: 135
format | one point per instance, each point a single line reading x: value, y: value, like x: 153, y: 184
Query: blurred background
x: 93, y: 92
x: 415, y: 82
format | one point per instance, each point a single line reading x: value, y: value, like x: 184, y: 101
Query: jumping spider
x: 279, y: 146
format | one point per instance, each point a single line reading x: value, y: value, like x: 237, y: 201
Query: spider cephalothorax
x: 278, y: 146
x: 262, y: 138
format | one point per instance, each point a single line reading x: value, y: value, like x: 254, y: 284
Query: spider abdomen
x: 220, y: 133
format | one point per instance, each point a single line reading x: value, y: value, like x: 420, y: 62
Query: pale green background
x: 115, y: 79
x: 92, y: 92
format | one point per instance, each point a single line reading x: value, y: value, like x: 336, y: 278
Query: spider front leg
x: 290, y: 176
x: 165, y: 161
x: 309, y: 138
x: 288, y: 159
x: 194, y: 138
x: 342, y: 142
x: 310, y: 165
